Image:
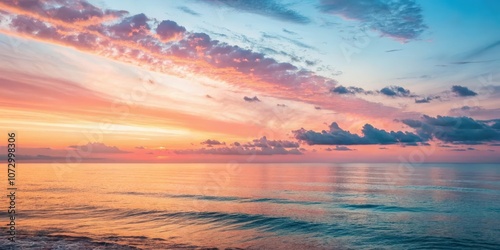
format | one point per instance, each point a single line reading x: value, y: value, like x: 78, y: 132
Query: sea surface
x: 255, y: 206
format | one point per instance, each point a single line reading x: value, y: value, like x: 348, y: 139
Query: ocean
x: 255, y: 206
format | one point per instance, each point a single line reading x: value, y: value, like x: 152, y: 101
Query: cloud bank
x: 371, y: 135
x: 456, y: 129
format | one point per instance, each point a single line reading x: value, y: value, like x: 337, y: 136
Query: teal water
x: 258, y: 206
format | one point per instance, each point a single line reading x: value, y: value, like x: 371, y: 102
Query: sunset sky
x: 251, y: 81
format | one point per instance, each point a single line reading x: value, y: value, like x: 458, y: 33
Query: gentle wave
x: 225, y: 198
x: 430, y: 242
x: 60, y: 242
x: 42, y: 240
x: 282, y: 225
x: 384, y: 208
x: 452, y: 189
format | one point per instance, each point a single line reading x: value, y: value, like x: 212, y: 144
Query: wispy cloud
x: 400, y: 19
x: 289, y: 32
x: 99, y: 148
x: 481, y: 51
x: 393, y: 50
x: 475, y: 111
x: 270, y: 8
x: 188, y: 11
x: 339, y: 148
x: 426, y: 99
x: 293, y: 41
x: 210, y: 142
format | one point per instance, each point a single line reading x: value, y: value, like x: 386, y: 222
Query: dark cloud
x: 371, y: 135
x: 392, y: 50
x: 270, y: 8
x: 251, y: 99
x: 462, y: 91
x: 426, y: 99
x: 423, y: 100
x: 169, y: 29
x: 281, y: 105
x: 261, y: 146
x: 317, y: 107
x: 460, y: 130
x: 212, y: 142
x: 349, y: 90
x: 341, y: 90
x: 98, y: 148
x: 400, y: 19
x: 188, y: 11
x: 392, y: 91
x: 395, y: 91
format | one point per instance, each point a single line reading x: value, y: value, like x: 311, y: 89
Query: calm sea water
x: 257, y: 206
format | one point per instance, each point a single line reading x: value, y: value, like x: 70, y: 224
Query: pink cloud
x: 168, y: 30
x: 135, y: 39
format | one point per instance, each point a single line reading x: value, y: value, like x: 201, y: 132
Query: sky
x: 251, y: 81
